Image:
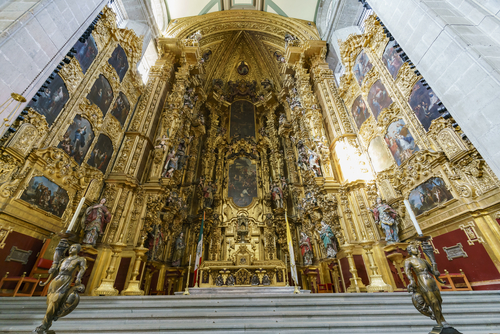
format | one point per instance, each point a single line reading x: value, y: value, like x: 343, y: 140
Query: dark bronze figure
x: 426, y: 295
x: 62, y: 299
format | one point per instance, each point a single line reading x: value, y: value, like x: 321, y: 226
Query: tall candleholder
x: 186, y: 292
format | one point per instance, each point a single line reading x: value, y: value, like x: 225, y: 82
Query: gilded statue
x: 306, y: 249
x: 385, y: 215
x: 426, y: 296
x: 179, y: 248
x: 329, y: 240
x: 94, y: 221
x: 62, y: 299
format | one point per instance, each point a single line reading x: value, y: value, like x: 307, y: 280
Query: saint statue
x: 277, y: 195
x: 208, y: 195
x: 314, y: 163
x: 179, y: 248
x: 306, y: 249
x: 155, y: 244
x: 62, y: 299
x: 386, y: 217
x: 93, y: 222
x: 329, y: 240
x: 426, y: 296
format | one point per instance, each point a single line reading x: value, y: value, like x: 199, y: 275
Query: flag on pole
x: 293, y: 268
x: 199, y: 252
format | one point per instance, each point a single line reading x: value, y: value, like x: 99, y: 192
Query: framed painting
x: 121, y: 108
x: 46, y: 195
x: 242, y: 184
x: 428, y: 195
x: 77, y: 139
x: 359, y: 111
x: 52, y: 100
x: 424, y: 103
x: 377, y: 150
x: 102, y: 153
x: 119, y: 62
x: 101, y: 94
x: 400, y: 141
x: 378, y: 98
x: 242, y: 120
x: 361, y: 67
x: 391, y: 59
x: 86, y: 53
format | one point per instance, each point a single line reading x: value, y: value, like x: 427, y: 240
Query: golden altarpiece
x: 241, y: 125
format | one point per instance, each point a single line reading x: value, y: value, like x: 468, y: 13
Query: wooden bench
x: 449, y: 278
x: 26, y: 292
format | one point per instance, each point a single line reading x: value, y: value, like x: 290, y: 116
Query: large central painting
x: 242, y: 120
x: 242, y: 182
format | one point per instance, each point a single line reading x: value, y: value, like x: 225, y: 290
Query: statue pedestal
x: 442, y: 330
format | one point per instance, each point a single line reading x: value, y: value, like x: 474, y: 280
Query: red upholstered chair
x: 40, y: 268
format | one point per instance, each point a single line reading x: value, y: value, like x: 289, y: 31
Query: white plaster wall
x: 455, y: 44
x: 34, y: 43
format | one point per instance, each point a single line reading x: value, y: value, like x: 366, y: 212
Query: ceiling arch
x: 257, y: 21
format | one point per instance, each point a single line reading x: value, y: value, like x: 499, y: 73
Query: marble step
x: 470, y: 312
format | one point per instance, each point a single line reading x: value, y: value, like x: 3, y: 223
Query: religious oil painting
x: 378, y: 98
x: 119, y: 62
x: 391, y: 59
x: 121, y: 108
x: 86, y: 53
x: 424, y: 103
x: 77, y: 139
x: 242, y: 120
x: 379, y: 156
x: 360, y: 111
x: 361, y: 67
x: 428, y: 195
x: 400, y: 141
x: 52, y: 100
x: 101, y: 154
x: 242, y: 182
x: 101, y: 94
x: 46, y: 195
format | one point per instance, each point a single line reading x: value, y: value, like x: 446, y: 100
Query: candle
x: 75, y: 216
x: 413, y: 218
x: 190, y: 260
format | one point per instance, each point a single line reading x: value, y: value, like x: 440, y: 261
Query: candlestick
x: 413, y: 218
x: 75, y: 216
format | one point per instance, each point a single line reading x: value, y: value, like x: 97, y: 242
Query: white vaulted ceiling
x: 299, y: 9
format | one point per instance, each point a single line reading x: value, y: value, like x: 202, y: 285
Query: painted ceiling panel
x: 299, y: 9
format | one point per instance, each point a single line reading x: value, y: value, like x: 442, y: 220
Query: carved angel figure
x: 426, y: 296
x: 162, y: 142
x: 62, y: 299
x: 386, y: 217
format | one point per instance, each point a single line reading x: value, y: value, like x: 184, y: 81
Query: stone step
x: 469, y: 312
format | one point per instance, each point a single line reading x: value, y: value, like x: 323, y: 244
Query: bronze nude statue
x: 426, y: 295
x: 62, y: 299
